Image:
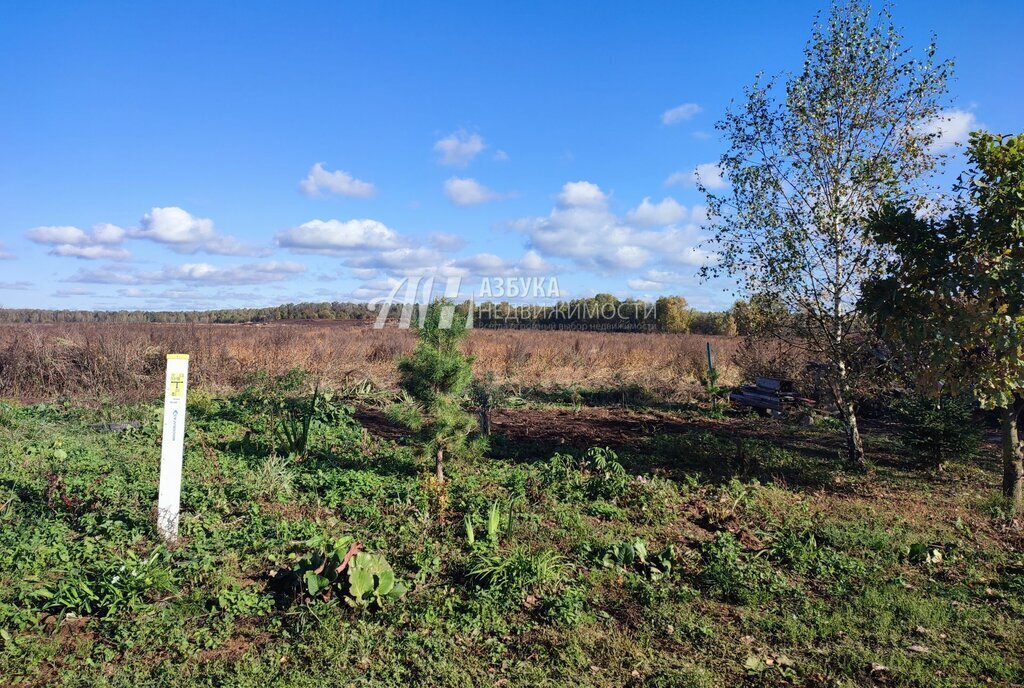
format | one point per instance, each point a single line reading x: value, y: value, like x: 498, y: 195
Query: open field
x: 125, y: 361
x: 613, y: 543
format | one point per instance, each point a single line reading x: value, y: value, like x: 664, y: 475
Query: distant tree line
x: 327, y: 310
x: 602, y: 312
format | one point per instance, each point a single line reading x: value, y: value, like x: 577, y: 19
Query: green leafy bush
x: 341, y: 568
x: 634, y: 556
x: 940, y: 429
x: 596, y: 476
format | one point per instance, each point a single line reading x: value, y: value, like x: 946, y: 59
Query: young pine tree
x: 434, y: 381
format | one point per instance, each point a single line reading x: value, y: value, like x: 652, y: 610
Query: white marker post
x: 173, y: 447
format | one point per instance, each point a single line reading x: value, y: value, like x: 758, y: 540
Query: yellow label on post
x: 177, y: 384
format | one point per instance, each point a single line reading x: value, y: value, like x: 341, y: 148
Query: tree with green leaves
x: 434, y: 381
x: 809, y: 158
x: 672, y: 314
x: 953, y: 295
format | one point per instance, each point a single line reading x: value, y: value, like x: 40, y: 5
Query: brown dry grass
x: 125, y: 361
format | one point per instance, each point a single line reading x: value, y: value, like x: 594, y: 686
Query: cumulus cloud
x: 709, y: 174
x: 949, y: 128
x: 100, y: 242
x: 4, y: 253
x: 459, y: 148
x: 582, y: 195
x: 186, y: 233
x: 667, y: 212
x: 465, y: 191
x: 337, y: 237
x: 171, y: 226
x: 500, y: 156
x: 320, y: 181
x: 680, y: 113
x: 583, y: 229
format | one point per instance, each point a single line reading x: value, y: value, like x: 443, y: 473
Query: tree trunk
x: 854, y: 445
x: 440, y: 466
x: 485, y: 422
x: 848, y: 412
x: 1013, y: 457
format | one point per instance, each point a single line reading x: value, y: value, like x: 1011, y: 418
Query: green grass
x: 778, y: 571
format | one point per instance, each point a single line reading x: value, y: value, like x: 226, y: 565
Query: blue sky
x: 164, y: 155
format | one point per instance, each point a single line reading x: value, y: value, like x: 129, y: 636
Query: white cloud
x: 465, y: 191
x: 459, y: 148
x: 583, y: 195
x: 379, y: 288
x: 582, y: 228
x: 4, y: 253
x: 171, y: 226
x: 253, y: 273
x: 106, y: 233
x: 174, y: 225
x: 93, y: 252
x: 339, y: 182
x: 337, y: 237
x: 98, y: 243
x: 195, y: 273
x: 661, y: 280
x: 20, y: 285
x: 708, y: 173
x: 407, y: 260
x: 185, y: 297
x: 500, y: 156
x: 490, y: 265
x: 950, y: 129
x: 680, y: 113
x: 185, y: 233
x: 57, y: 235
x: 667, y: 212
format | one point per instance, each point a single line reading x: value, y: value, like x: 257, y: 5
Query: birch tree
x: 809, y: 157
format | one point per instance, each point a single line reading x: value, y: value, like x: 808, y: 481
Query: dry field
x: 125, y: 361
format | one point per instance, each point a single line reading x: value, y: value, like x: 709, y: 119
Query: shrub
x: 939, y: 429
x: 596, y: 476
